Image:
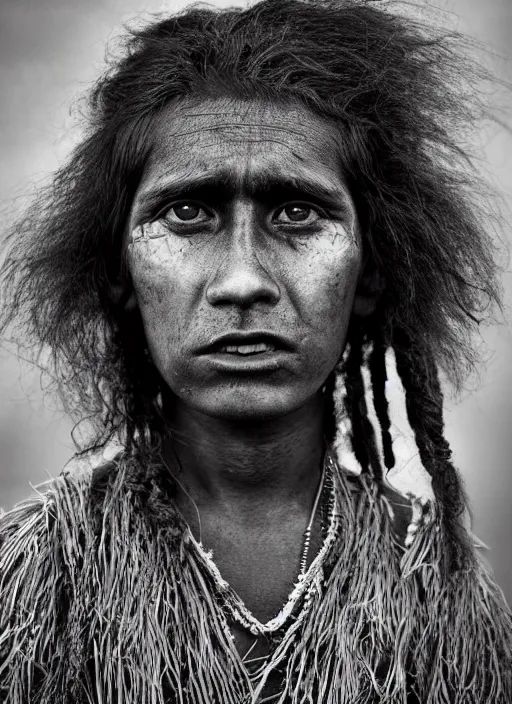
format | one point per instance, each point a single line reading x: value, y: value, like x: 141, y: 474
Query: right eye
x: 186, y: 212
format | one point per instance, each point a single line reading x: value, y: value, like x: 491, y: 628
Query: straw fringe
x: 108, y: 603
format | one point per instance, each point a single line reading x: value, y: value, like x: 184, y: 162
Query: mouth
x: 247, y: 344
x: 244, y: 350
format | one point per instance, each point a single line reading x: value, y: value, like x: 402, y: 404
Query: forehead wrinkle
x: 247, y: 141
x: 306, y: 168
x: 185, y: 115
x: 248, y: 112
x: 244, y: 148
x: 290, y: 116
x: 270, y: 164
x: 236, y: 125
x: 298, y: 140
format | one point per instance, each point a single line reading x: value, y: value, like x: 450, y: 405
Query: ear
x: 369, y: 289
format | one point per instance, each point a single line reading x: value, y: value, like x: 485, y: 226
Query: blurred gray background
x: 50, y: 52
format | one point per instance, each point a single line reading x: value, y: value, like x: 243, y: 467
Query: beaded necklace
x: 307, y: 532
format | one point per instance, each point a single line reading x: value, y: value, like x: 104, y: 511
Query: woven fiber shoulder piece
x: 34, y: 509
x: 88, y: 478
x: 100, y: 606
x: 401, y: 506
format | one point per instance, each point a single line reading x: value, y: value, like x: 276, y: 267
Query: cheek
x: 155, y: 272
x: 329, y: 280
x: 152, y: 272
x: 335, y: 308
x: 341, y: 285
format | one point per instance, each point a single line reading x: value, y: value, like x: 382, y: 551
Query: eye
x: 185, y: 212
x: 300, y: 213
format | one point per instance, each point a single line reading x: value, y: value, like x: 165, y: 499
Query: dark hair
x: 400, y: 92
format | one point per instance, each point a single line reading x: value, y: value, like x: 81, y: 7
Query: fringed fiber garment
x: 105, y: 597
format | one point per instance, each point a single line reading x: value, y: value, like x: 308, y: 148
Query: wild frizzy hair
x: 398, y: 89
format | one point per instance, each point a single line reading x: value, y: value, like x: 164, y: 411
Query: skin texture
x: 222, y: 238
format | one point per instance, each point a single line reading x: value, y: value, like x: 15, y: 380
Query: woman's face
x: 244, y: 252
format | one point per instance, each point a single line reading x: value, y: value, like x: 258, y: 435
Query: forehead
x: 243, y: 142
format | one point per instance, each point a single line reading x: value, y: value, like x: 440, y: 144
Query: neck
x: 267, y: 461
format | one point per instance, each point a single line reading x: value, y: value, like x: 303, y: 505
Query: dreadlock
x: 362, y: 431
x: 377, y: 364
x: 424, y: 403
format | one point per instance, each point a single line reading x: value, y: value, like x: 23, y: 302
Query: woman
x: 267, y: 215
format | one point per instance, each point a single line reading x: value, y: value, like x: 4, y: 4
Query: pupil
x: 297, y: 213
x: 186, y: 212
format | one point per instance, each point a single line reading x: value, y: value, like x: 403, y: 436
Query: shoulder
x: 33, y: 518
x: 41, y: 548
x: 34, y: 522
x: 38, y: 512
x: 52, y: 501
x: 48, y: 523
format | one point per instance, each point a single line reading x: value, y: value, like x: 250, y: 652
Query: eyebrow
x: 223, y: 184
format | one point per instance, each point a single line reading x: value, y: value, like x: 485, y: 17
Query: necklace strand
x: 256, y: 666
x: 305, y: 582
x: 307, y: 532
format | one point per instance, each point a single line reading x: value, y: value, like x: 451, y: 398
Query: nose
x: 242, y: 278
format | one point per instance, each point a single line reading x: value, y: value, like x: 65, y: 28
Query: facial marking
x: 148, y: 231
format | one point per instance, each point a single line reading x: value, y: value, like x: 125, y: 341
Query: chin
x: 247, y: 404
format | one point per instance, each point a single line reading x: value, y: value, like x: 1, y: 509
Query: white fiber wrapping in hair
x: 408, y: 476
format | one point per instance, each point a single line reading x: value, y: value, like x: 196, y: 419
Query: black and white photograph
x: 256, y: 352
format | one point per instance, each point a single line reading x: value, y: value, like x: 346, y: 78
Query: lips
x: 247, y: 343
x: 247, y: 349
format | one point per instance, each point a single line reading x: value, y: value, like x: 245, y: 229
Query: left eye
x: 299, y: 213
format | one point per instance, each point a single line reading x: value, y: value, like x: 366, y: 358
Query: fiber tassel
x: 105, y: 601
x: 460, y: 625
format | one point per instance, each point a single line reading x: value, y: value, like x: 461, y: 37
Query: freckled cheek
x: 330, y: 283
x: 334, y: 308
x: 161, y: 296
x: 153, y: 278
